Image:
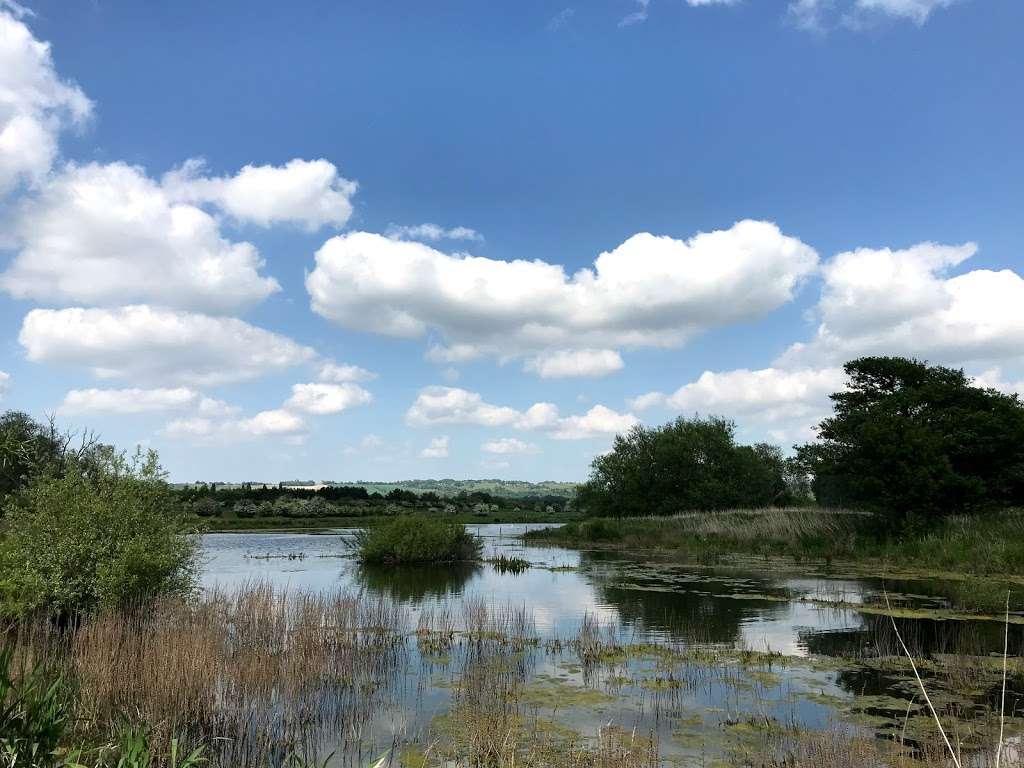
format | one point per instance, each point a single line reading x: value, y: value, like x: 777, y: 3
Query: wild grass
x: 416, y: 539
x: 253, y: 673
x: 987, y: 544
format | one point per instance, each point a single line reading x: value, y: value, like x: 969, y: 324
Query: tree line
x: 908, y: 441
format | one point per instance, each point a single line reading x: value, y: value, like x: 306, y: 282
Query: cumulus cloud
x: 432, y: 232
x: 323, y: 399
x: 108, y: 235
x: 648, y: 292
x: 35, y: 104
x: 145, y: 344
x: 873, y: 302
x: 134, y: 400
x: 783, y: 404
x: 451, y: 405
x: 509, y: 445
x: 599, y: 421
x: 277, y: 422
x: 5, y: 383
x: 904, y: 302
x: 341, y: 374
x: 564, y: 363
x: 438, y: 449
x: 310, y: 193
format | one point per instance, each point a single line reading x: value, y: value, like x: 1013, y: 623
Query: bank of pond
x: 296, y: 652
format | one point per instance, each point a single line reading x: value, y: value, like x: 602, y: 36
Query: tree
x: 686, y: 464
x: 916, y: 441
x: 29, y: 448
x: 87, y: 540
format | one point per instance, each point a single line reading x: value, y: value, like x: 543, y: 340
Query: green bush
x: 416, y: 539
x: 75, y: 542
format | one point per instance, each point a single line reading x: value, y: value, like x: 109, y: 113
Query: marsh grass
x: 264, y: 677
x: 984, y: 544
x: 254, y: 672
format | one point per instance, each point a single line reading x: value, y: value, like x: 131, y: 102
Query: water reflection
x: 413, y: 584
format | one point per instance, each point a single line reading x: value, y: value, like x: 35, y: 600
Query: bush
x: 416, y: 539
x: 82, y: 541
x: 684, y: 465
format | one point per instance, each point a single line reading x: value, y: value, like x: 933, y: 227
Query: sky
x: 376, y: 241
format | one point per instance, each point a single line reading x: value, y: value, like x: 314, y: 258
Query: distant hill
x: 512, y: 489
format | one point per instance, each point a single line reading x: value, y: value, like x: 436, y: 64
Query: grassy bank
x: 990, y: 544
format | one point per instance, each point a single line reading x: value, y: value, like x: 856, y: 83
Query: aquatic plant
x: 415, y: 539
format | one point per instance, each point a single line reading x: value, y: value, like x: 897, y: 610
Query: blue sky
x: 212, y: 216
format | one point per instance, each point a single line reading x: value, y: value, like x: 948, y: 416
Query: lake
x: 706, y: 661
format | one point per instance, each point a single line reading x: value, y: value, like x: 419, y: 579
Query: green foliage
x: 416, y: 539
x: 687, y: 464
x: 79, y: 541
x: 34, y: 712
x: 916, y: 442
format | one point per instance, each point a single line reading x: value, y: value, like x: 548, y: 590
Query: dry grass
x: 255, y: 672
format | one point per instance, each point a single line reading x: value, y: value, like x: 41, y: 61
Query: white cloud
x: 917, y: 11
x: 432, y: 232
x: 599, y: 421
x: 340, y: 374
x: 35, y: 103
x: 575, y: 362
x: 648, y: 292
x: 638, y: 16
x: 438, y: 449
x: 820, y: 15
x: 783, y: 404
x: 277, y: 422
x: 508, y: 445
x: 130, y: 400
x: 323, y: 399
x: 144, y: 344
x: 5, y: 383
x: 994, y: 378
x: 904, y: 303
x: 310, y: 193
x: 561, y: 19
x: 450, y: 405
x: 109, y: 235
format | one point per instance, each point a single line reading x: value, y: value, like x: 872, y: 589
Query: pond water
x: 706, y: 660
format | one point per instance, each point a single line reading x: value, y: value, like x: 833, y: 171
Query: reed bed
x: 252, y: 673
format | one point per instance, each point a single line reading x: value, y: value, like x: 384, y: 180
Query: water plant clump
x: 415, y: 539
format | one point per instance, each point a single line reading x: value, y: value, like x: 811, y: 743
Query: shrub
x: 416, y: 539
x: 79, y: 542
